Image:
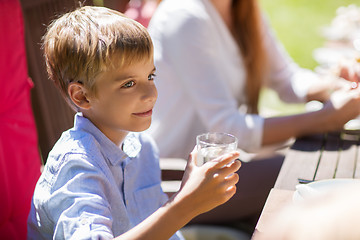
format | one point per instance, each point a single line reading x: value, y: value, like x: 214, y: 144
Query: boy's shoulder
x: 74, y: 145
x: 76, y: 141
x: 73, y: 150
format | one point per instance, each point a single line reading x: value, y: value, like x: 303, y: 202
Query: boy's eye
x: 151, y: 77
x: 129, y: 84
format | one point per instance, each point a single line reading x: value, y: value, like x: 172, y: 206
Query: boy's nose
x: 150, y: 93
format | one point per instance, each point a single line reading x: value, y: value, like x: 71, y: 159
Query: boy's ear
x: 77, y: 93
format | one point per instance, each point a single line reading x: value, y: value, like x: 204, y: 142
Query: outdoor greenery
x: 297, y: 24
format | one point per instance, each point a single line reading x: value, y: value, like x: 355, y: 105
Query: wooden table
x: 327, y: 156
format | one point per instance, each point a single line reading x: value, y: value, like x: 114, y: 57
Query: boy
x: 101, y: 179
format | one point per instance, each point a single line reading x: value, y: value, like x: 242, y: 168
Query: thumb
x: 191, y: 163
x: 192, y: 157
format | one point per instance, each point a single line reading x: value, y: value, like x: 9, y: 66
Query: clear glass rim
x: 203, y: 139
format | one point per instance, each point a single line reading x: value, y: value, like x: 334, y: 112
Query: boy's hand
x: 210, y: 185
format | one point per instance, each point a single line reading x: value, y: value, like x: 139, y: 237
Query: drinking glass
x: 213, y: 144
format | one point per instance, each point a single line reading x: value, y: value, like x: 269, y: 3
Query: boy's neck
x: 117, y: 140
x: 117, y: 137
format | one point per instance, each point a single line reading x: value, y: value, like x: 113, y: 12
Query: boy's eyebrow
x: 123, y: 78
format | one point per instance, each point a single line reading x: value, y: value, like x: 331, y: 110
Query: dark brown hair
x: 248, y: 33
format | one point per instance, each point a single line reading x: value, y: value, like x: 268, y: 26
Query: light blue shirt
x: 92, y: 189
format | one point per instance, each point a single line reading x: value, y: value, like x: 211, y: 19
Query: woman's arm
x: 203, y: 188
x: 343, y: 106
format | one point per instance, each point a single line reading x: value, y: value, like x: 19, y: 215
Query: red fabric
x: 19, y: 156
x: 141, y: 10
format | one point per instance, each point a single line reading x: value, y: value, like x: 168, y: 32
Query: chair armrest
x: 172, y: 168
x: 172, y: 171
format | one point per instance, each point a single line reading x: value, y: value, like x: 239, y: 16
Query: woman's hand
x: 345, y: 75
x: 343, y: 106
x: 210, y: 185
x: 322, y: 90
x: 349, y: 70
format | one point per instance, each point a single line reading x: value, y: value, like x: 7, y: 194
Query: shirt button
x: 127, y: 202
x: 84, y: 221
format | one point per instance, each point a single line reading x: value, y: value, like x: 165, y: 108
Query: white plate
x: 313, y: 106
x: 352, y: 126
x: 313, y: 189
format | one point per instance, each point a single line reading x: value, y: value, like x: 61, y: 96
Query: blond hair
x: 89, y: 40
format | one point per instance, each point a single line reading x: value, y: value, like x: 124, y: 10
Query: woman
x: 212, y: 58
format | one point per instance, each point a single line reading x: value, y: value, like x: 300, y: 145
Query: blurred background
x: 298, y: 24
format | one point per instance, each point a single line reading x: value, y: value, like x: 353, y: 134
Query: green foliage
x: 297, y: 24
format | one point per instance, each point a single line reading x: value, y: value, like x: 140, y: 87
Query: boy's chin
x: 141, y: 128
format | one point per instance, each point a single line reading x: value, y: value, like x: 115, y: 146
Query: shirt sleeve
x: 194, y: 61
x: 78, y: 205
x: 290, y: 81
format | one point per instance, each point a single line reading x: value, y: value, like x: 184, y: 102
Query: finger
x: 357, y: 77
x: 344, y: 73
x: 230, y: 168
x: 225, y: 159
x: 230, y: 180
x: 192, y: 157
x: 230, y: 191
x: 351, y: 75
x: 355, y: 93
x: 227, y: 193
x: 340, y: 84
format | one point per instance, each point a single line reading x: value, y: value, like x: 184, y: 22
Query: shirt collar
x: 130, y: 148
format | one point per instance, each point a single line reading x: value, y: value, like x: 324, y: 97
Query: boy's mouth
x: 144, y: 114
